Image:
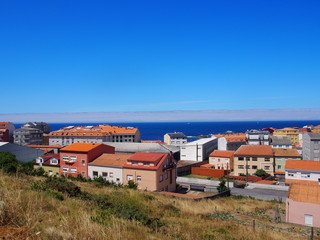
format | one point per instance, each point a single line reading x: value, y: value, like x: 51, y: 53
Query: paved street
x: 262, y: 194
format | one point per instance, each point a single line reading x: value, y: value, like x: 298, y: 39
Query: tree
x: 222, y: 186
x: 8, y: 162
x: 261, y: 173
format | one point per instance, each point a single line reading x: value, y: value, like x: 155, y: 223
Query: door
x: 308, y: 220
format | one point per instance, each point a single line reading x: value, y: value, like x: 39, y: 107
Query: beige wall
x: 260, y: 164
x: 224, y: 162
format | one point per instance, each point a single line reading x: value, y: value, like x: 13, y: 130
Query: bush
x: 222, y: 186
x: 132, y: 184
x: 261, y: 173
x: 8, y: 162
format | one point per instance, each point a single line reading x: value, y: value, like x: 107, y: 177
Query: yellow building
x: 316, y: 129
x: 292, y: 133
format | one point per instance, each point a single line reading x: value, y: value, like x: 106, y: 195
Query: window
x: 267, y: 159
x: 65, y: 169
x: 247, y: 158
x: 73, y: 158
x: 95, y: 174
x: 266, y: 167
x: 73, y: 170
x: 129, y: 177
x: 240, y: 158
x: 54, y: 161
x: 83, y: 162
x: 254, y: 167
x: 146, y: 164
x: 241, y: 166
x: 279, y: 167
x: 305, y: 175
x: 135, y: 163
x: 139, y: 178
x: 291, y: 174
x: 254, y: 159
x: 111, y: 174
x: 65, y: 158
x: 104, y: 174
x: 118, y: 179
x: 161, y: 178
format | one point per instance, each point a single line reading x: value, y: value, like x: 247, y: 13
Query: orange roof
x: 80, y: 147
x: 304, y: 193
x: 44, y: 146
x: 286, y: 152
x: 116, y: 160
x: 118, y: 129
x: 207, y: 165
x: 220, y: 153
x: 255, y: 150
x: 146, y: 157
x: 303, y: 165
x: 233, y: 137
x: 79, y: 131
x: 287, y: 129
x: 4, y: 124
x: 153, y: 141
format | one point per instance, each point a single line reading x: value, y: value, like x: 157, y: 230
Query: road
x: 262, y: 194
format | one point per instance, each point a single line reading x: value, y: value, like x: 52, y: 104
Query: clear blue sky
x: 96, y: 56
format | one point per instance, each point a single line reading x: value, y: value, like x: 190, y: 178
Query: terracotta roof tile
x: 304, y: 193
x: 254, y: 150
x: 220, y: 153
x: 146, y: 157
x: 116, y: 160
x: 303, y: 165
x: 286, y: 152
x: 80, y: 147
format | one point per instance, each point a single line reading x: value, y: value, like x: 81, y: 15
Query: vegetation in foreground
x: 57, y: 208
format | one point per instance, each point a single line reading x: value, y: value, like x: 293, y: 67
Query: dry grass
x: 37, y: 215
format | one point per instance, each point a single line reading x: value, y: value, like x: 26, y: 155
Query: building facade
x: 222, y: 159
x: 281, y: 155
x: 280, y: 142
x: 10, y: 127
x: 231, y: 142
x: 27, y: 136
x: 258, y: 137
x: 44, y: 127
x: 4, y: 135
x: 151, y: 171
x: 292, y: 133
x: 249, y: 158
x: 74, y: 159
x: 198, y: 150
x: 311, y: 146
x: 50, y: 164
x: 303, y: 205
x: 109, y: 166
x: 303, y: 172
x: 175, y: 139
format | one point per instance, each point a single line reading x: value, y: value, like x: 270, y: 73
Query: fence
x: 217, y: 173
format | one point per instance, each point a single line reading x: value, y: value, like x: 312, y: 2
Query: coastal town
x: 267, y: 164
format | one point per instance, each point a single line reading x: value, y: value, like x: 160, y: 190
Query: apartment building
x: 93, y: 134
x: 27, y: 136
x: 281, y: 155
x: 250, y: 158
x: 280, y: 142
x: 74, y: 159
x: 311, y: 146
x: 292, y: 133
x: 258, y: 137
x: 175, y: 139
x: 303, y: 172
x: 222, y: 159
x: 4, y: 135
x: 7, y: 126
x: 198, y: 150
x: 109, y: 166
x: 231, y: 142
x: 44, y: 127
x: 151, y: 171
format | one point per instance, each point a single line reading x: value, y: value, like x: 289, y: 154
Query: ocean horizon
x: 156, y: 130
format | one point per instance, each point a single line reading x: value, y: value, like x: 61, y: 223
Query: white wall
x: 116, y: 172
x: 302, y: 176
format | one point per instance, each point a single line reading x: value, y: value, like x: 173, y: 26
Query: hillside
x: 36, y: 208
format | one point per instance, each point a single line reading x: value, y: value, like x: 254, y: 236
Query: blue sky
x: 132, y: 56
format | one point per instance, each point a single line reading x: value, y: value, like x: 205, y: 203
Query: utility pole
x: 247, y: 171
x: 228, y: 175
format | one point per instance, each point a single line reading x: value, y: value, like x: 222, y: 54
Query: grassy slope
x: 27, y: 214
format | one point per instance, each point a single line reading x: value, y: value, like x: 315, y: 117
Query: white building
x: 280, y: 142
x: 175, y: 139
x: 108, y: 166
x: 258, y: 137
x: 303, y: 171
x: 198, y: 150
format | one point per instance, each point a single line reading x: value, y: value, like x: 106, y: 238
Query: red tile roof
x: 254, y: 150
x: 303, y: 165
x: 304, y: 193
x: 146, y: 157
x: 220, y: 153
x: 80, y: 147
x: 286, y: 152
x: 115, y: 160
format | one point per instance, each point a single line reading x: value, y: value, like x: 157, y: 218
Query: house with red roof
x: 221, y: 159
x: 74, y: 159
x: 303, y: 172
x: 50, y: 163
x: 151, y: 171
x: 303, y: 205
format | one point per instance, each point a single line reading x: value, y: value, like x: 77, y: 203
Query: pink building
x: 303, y: 205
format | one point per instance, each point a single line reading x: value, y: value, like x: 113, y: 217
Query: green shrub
x: 261, y: 173
x: 8, y: 162
x: 132, y: 184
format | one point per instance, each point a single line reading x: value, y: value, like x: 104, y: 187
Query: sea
x: 156, y: 130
